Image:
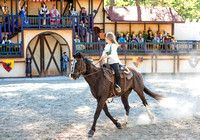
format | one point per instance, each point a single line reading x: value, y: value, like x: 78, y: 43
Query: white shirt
x: 114, y: 56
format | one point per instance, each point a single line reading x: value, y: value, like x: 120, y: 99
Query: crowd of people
x: 157, y: 39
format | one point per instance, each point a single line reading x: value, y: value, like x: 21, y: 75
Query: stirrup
x: 118, y: 88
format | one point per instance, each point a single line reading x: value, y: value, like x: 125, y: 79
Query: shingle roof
x: 143, y: 14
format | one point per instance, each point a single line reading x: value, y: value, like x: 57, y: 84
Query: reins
x: 91, y: 73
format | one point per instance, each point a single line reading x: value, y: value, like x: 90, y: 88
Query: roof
x: 143, y: 14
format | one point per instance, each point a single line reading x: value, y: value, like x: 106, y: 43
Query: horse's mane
x: 89, y: 62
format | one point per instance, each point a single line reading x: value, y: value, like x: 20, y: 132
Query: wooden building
x: 46, y: 44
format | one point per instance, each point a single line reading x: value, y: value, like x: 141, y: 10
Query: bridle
x: 82, y: 70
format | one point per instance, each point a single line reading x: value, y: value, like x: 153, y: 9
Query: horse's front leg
x: 105, y: 108
x: 100, y: 105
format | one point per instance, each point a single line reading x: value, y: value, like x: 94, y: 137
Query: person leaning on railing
x: 22, y: 14
x: 54, y: 13
x: 134, y: 41
x: 83, y: 13
x: 6, y: 44
x: 44, y: 13
x: 121, y: 41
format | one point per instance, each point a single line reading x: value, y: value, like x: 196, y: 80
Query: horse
x: 100, y: 88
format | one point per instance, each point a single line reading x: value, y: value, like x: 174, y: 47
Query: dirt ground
x: 57, y: 108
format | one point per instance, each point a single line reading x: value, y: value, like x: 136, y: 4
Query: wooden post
x: 4, y: 25
x: 145, y: 26
x: 0, y: 33
x: 8, y: 24
x: 92, y: 7
x: 85, y: 34
x: 13, y: 27
x: 103, y: 17
x: 130, y: 28
x: 115, y: 28
x: 172, y: 32
x: 61, y: 14
x: 88, y: 7
x: 11, y: 6
x: 56, y: 4
x: 158, y: 27
x: 42, y: 60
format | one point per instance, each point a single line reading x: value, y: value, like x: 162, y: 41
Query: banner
x: 193, y: 61
x: 137, y: 61
x: 8, y: 64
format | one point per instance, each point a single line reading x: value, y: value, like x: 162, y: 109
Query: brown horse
x: 100, y: 87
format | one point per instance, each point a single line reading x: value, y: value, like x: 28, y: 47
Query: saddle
x: 109, y: 73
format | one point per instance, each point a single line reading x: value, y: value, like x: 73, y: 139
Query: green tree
x: 185, y: 8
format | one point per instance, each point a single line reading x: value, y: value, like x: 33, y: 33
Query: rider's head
x: 110, y: 38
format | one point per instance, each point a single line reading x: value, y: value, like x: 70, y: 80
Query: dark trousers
x: 115, y: 67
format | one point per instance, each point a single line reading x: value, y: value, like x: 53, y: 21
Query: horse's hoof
x: 90, y: 133
x: 118, y: 125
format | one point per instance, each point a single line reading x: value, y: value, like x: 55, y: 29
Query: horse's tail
x: 152, y: 94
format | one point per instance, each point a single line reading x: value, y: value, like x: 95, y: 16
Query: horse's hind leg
x: 144, y: 101
x: 124, y: 99
x: 105, y: 108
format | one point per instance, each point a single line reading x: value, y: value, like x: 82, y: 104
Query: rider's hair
x: 110, y: 36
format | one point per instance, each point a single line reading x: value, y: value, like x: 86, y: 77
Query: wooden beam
x: 172, y: 32
x: 11, y: 5
x: 65, y: 8
x: 74, y: 3
x: 98, y: 8
x: 115, y: 28
x: 92, y: 7
x: 103, y: 17
x: 32, y: 56
x: 52, y: 55
x: 88, y: 6
x: 61, y: 13
x: 16, y: 2
x: 42, y: 55
x: 130, y: 28
x: 56, y: 4
x: 78, y: 4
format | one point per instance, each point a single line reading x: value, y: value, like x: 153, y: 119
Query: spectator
x: 44, y: 12
x: 128, y: 40
x: 22, y: 14
x: 65, y: 61
x: 134, y: 41
x: 78, y: 45
x: 145, y: 35
x: 173, y: 43
x: 83, y: 13
x: 158, y: 34
x: 73, y: 11
x: 150, y: 37
x: 118, y: 35
x: 102, y: 35
x: 121, y: 41
x: 149, y: 30
x: 164, y: 33
x: 54, y: 13
x: 28, y: 66
x: 140, y: 39
x: 6, y: 40
x: 5, y: 10
x: 82, y: 29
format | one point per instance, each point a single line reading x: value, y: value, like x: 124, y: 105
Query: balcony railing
x: 12, y: 49
x: 143, y: 47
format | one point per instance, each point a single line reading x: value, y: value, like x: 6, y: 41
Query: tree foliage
x: 186, y: 8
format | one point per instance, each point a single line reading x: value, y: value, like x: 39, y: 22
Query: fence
x: 141, y: 47
x: 13, y: 49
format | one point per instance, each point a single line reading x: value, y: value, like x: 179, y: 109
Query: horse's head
x: 78, y: 66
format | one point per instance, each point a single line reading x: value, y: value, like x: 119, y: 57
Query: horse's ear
x: 78, y: 55
x: 74, y: 55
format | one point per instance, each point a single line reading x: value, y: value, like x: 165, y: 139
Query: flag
x: 8, y: 64
x: 137, y: 61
